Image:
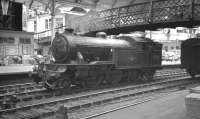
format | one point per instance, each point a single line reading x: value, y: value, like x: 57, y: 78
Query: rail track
x: 19, y: 87
x: 37, y: 92
x: 96, y: 111
x: 32, y: 86
x: 87, y: 99
x: 167, y: 70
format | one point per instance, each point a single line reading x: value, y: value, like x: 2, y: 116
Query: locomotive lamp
x: 5, y: 5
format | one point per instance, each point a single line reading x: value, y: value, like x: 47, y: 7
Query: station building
x: 14, y: 42
x: 40, y: 24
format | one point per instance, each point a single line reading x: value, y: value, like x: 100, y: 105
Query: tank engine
x: 190, y: 56
x: 90, y: 61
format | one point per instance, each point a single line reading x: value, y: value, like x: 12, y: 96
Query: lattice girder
x: 148, y: 13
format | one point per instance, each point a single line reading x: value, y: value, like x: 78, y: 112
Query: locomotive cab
x: 145, y: 53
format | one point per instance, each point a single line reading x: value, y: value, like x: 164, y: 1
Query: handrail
x: 47, y: 33
x: 156, y: 13
x: 161, y: 12
x: 50, y: 30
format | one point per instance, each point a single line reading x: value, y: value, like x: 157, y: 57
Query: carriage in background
x: 190, y: 56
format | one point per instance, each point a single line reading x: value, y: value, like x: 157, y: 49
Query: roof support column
x: 52, y: 19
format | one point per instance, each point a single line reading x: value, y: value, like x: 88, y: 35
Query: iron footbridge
x: 142, y: 16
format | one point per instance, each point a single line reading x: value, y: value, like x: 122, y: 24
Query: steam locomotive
x: 190, y: 56
x: 89, y: 62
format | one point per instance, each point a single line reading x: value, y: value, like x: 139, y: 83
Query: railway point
x: 99, y: 59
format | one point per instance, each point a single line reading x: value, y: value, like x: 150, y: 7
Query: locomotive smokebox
x: 60, y: 48
x: 67, y: 47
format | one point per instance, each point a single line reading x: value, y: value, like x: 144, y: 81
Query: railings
x: 154, y: 12
x: 47, y: 33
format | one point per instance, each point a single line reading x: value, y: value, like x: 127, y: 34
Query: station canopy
x: 77, y: 6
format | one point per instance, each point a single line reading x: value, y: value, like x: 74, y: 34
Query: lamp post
x: 52, y: 19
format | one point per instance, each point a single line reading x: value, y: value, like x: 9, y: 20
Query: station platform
x: 23, y: 69
x: 15, y: 69
x: 15, y: 74
x: 171, y: 106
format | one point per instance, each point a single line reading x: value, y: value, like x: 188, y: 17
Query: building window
x: 177, y: 47
x: 25, y: 40
x: 166, y: 48
x: 59, y: 22
x: 59, y: 25
x: 59, y: 19
x: 1, y: 40
x: 8, y: 40
x: 181, y: 30
x: 47, y: 24
x: 35, y: 26
x: 172, y: 47
x: 193, y: 31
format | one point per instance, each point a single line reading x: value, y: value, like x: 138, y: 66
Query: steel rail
x: 141, y: 101
x: 92, y: 102
x: 19, y: 87
x: 71, y: 98
x: 42, y: 93
x: 31, y: 86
